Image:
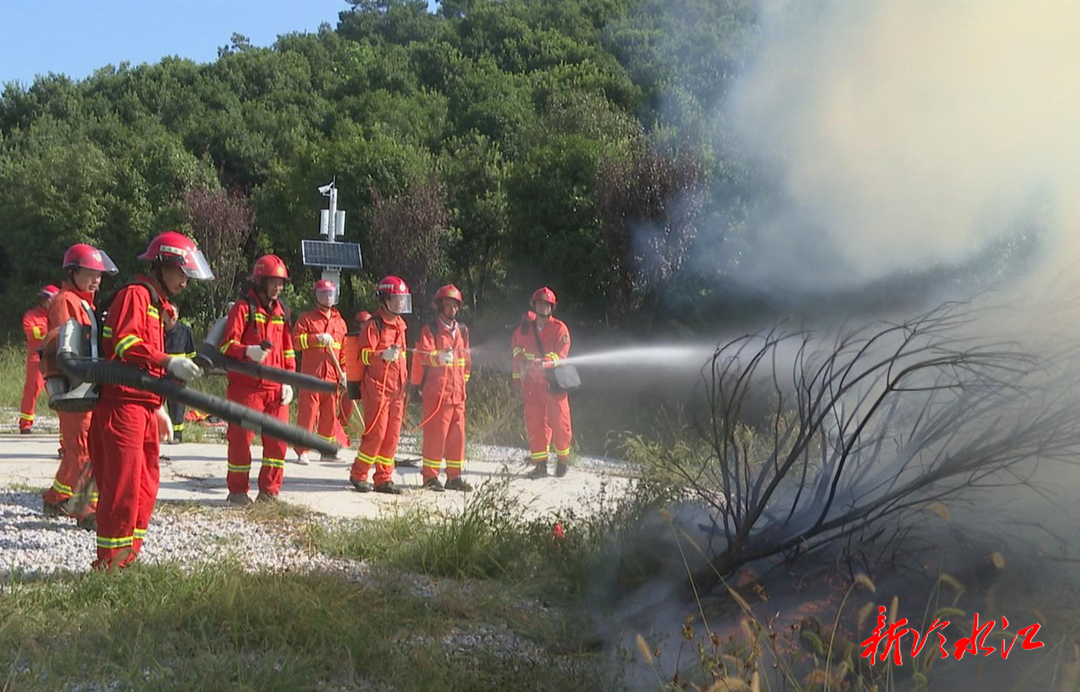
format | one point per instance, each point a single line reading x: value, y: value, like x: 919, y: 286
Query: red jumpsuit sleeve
x: 131, y: 317
x: 368, y: 340
x: 301, y: 332
x: 422, y: 356
x: 287, y: 347
x: 32, y: 329
x: 561, y: 348
x: 518, y: 350
x: 235, y: 323
x: 340, y: 329
x: 60, y: 312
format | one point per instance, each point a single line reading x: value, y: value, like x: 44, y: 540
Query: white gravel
x: 31, y: 544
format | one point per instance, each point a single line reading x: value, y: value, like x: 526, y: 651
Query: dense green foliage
x: 508, y: 110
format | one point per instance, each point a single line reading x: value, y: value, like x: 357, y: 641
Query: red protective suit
x: 547, y: 414
x: 244, y: 328
x: 124, y: 432
x: 444, y: 395
x: 35, y: 324
x: 74, y: 476
x: 382, y: 391
x: 317, y: 360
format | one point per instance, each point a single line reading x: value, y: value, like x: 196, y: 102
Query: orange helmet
x: 448, y: 291
x: 362, y: 317
x: 545, y: 294
x: 269, y: 267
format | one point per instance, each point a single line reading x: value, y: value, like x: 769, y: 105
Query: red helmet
x: 545, y: 294
x: 86, y: 256
x: 448, y: 291
x: 326, y: 288
x: 394, y: 293
x: 48, y: 292
x: 178, y: 250
x: 269, y: 267
x: 362, y: 316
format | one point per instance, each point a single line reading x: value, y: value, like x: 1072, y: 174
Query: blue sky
x: 75, y: 37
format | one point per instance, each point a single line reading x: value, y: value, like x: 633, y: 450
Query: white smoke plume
x: 906, y: 135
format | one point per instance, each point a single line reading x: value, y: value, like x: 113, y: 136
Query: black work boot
x: 458, y: 483
x: 389, y: 488
x: 540, y: 471
x: 434, y: 484
x: 238, y: 499
x: 88, y: 523
x: 264, y: 496
x: 561, y: 467
x: 54, y: 509
x: 361, y: 486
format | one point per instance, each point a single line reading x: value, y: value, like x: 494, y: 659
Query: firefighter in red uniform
x: 351, y: 351
x: 540, y: 342
x: 440, y: 370
x: 319, y: 336
x: 382, y: 372
x: 35, y: 324
x: 257, y: 330
x: 84, y: 265
x: 124, y: 435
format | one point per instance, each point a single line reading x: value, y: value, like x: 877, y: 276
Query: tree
x: 650, y: 208
x: 406, y: 232
x: 221, y: 223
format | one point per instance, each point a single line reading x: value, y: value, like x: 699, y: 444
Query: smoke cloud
x: 908, y: 135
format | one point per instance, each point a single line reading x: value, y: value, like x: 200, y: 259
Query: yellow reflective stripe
x: 337, y: 345
x: 365, y: 356
x: 518, y: 350
x: 529, y: 356
x: 454, y: 464
x: 140, y: 534
x: 179, y: 427
x: 539, y: 455
x: 432, y: 463
x: 260, y: 318
x: 460, y: 362
x: 61, y: 488
x: 562, y: 452
x: 225, y: 346
x: 434, y: 358
x: 515, y: 376
x: 124, y: 344
x: 467, y: 376
x: 239, y: 468
x: 360, y: 456
x: 153, y: 312
x: 303, y: 342
x: 290, y: 353
x: 119, y: 542
x: 106, y: 331
x: 26, y: 416
x: 274, y: 463
x: 179, y: 355
x: 94, y: 496
x: 38, y: 334
x: 191, y: 354
x: 553, y: 356
x: 277, y: 319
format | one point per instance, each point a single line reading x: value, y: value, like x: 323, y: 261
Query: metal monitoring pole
x: 331, y: 254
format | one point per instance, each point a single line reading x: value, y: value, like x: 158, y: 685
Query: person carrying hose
x: 440, y: 371
x: 318, y: 336
x: 257, y: 330
x: 124, y: 440
x: 84, y: 265
x: 381, y: 369
x: 538, y: 343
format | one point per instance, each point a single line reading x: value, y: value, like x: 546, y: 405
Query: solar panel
x: 321, y: 253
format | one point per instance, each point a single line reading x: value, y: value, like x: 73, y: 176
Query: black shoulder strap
x: 539, y: 344
x: 155, y: 299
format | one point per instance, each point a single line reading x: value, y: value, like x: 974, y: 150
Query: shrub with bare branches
x: 861, y: 433
x: 221, y: 223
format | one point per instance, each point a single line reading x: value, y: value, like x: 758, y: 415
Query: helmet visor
x: 107, y: 265
x: 400, y: 304
x: 326, y: 296
x: 196, y: 266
